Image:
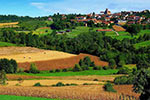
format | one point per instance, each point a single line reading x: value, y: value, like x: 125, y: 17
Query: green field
x: 142, y: 44
x: 82, y: 73
x: 43, y: 31
x: 123, y: 35
x: 9, y: 97
x: 6, y: 44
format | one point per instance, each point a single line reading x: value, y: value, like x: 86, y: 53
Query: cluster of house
x: 106, y: 18
x: 121, y: 18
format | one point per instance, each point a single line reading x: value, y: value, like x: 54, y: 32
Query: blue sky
x: 49, y: 7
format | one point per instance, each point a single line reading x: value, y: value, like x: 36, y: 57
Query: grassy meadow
x: 82, y: 73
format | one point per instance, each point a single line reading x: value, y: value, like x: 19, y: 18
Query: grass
x: 82, y: 73
x: 9, y: 97
x: 78, y: 30
x: 142, y: 44
x: 6, y: 44
x: 43, y: 31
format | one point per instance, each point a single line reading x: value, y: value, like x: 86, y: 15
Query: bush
x: 33, y: 69
x: 106, y: 67
x: 124, y: 70
x: 77, y: 68
x: 95, y: 80
x: 64, y: 70
x: 109, y: 87
x: 57, y: 70
x: 20, y: 70
x: 59, y: 84
x: 123, y: 80
x: 52, y: 71
x: 97, y: 68
x: 37, y: 84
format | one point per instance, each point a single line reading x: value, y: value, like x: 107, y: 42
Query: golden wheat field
x: 12, y: 24
x: 28, y: 54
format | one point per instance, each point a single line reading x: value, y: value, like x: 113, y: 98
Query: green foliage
x: 125, y: 70
x: 8, y: 97
x: 98, y: 68
x: 33, y: 69
x: 77, y: 68
x: 37, y: 84
x: 142, y: 83
x: 82, y: 73
x: 112, y: 63
x: 134, y: 29
x: 3, y: 77
x: 9, y: 66
x: 95, y: 80
x: 109, y: 87
x: 60, y: 84
x: 124, y: 80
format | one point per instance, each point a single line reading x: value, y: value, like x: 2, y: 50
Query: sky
x: 36, y: 8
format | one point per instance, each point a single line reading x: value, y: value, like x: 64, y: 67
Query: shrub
x: 33, y: 69
x: 52, y: 71
x: 124, y: 70
x: 97, y: 68
x: 106, y: 67
x: 123, y: 80
x: 59, y: 84
x: 3, y: 77
x: 87, y: 61
x: 20, y: 70
x: 77, y: 68
x: 85, y: 84
x: 37, y: 84
x: 109, y: 87
x: 95, y: 80
x: 57, y: 70
x: 64, y: 70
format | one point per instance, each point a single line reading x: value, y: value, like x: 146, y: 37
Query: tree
x: 87, y: 61
x: 142, y: 83
x: 3, y: 77
x: 9, y: 66
x: 112, y: 63
x: 133, y: 29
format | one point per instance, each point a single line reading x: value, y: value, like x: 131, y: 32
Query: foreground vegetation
x: 82, y: 73
x: 8, y: 97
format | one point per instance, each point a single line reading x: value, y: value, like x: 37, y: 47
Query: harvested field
x: 62, y: 63
x: 126, y: 90
x: 28, y: 54
x: 44, y: 59
x: 118, y: 28
x: 24, y: 77
x: 90, y: 92
x: 30, y: 83
x: 87, y: 78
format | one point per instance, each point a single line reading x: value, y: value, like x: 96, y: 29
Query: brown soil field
x: 24, y: 77
x: 89, y: 92
x: 62, y: 63
x: 87, y: 78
